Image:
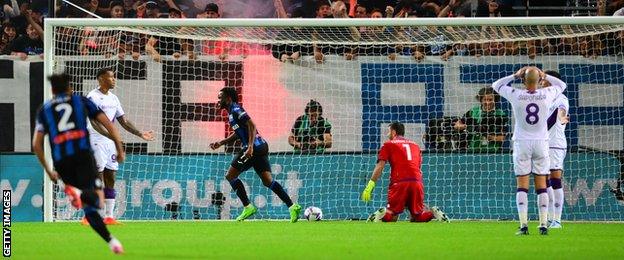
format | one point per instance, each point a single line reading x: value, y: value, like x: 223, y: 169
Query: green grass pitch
x: 319, y: 240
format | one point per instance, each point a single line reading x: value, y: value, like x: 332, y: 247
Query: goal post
x: 366, y: 73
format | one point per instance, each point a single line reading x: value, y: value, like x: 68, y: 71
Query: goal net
x: 425, y: 73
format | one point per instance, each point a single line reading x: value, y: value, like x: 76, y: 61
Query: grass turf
x: 326, y: 239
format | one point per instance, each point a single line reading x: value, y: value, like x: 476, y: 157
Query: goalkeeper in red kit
x: 406, y: 187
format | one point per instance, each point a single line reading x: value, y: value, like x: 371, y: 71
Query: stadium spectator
x: 361, y: 12
x: 28, y: 44
x: 127, y: 42
x: 108, y: 42
x: 430, y: 8
x: 614, y: 6
x: 338, y: 10
x: 152, y: 10
x: 485, y: 124
x: 376, y: 13
x: 117, y: 9
x: 288, y: 52
x: 173, y: 9
x: 131, y: 43
x: 455, y: 8
x: 493, y: 8
x: 102, y: 7
x: 323, y: 10
x: 587, y: 46
x: 137, y: 10
x: 222, y: 49
x: 91, y: 6
x: 9, y: 34
x: 373, y: 33
x: 499, y: 48
x: 459, y: 49
x: 280, y: 10
x: 36, y: 14
x: 378, y: 4
x: 210, y: 11
x: 311, y: 131
x: 404, y: 8
x: 69, y: 11
x: 417, y: 51
x: 10, y: 9
x: 157, y: 46
x: 20, y: 20
x: 175, y: 13
x: 146, y: 9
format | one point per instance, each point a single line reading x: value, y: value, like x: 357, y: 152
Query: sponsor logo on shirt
x: 532, y: 97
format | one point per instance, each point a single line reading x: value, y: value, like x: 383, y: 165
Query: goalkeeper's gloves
x: 367, y: 194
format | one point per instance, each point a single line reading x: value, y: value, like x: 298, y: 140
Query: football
x: 313, y: 214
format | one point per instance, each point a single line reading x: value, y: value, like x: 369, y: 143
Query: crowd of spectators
x: 481, y: 129
x: 22, y: 31
x: 587, y: 46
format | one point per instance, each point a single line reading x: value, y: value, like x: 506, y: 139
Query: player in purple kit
x: 530, y: 137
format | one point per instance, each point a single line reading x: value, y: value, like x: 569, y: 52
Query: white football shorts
x: 105, y: 155
x: 557, y: 155
x: 531, y: 156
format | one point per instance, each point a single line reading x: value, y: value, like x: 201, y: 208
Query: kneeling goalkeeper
x: 406, y: 187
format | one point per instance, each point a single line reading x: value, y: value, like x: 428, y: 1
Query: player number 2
x: 63, y: 124
x: 532, y: 117
x: 409, y: 152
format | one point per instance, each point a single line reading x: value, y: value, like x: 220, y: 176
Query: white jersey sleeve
x: 562, y: 103
x: 556, y: 133
x: 92, y: 96
x: 119, y: 111
x: 502, y: 87
x: 557, y: 84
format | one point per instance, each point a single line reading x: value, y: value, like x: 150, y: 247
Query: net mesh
x: 364, y: 77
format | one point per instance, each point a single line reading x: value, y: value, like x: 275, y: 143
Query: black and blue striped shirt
x: 64, y: 119
x: 238, y: 121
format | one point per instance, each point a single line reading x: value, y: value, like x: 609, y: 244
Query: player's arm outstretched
x: 129, y: 126
x: 367, y: 193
